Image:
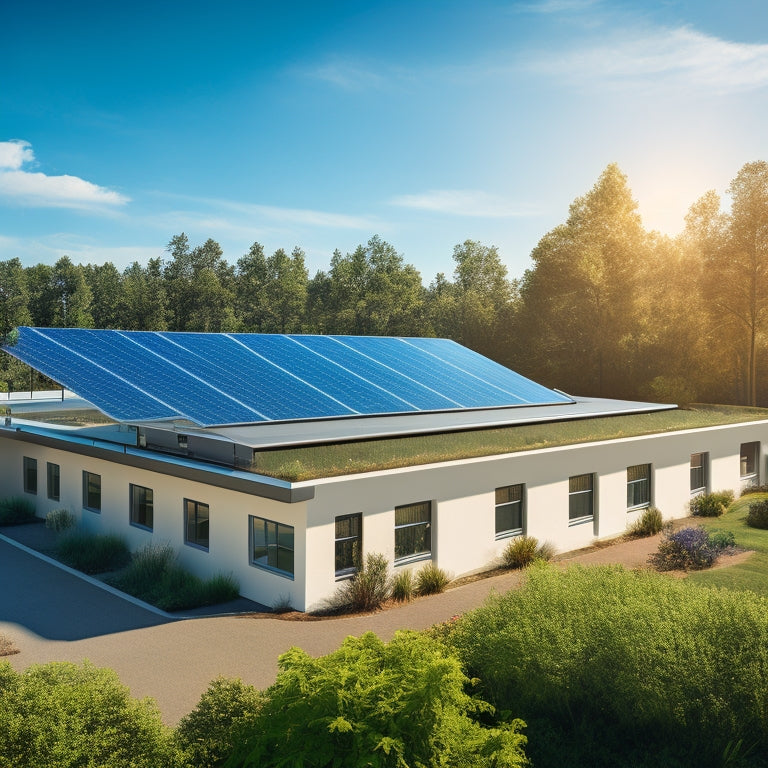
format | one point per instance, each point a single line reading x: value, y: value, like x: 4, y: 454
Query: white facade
x: 461, y: 494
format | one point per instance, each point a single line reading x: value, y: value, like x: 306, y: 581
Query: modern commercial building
x: 193, y: 421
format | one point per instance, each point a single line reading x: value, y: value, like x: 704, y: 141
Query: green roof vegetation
x: 312, y: 462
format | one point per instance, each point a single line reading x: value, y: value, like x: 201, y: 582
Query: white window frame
x: 504, y: 506
x: 632, y: 486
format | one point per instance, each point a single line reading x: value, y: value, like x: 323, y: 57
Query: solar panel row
x: 217, y: 379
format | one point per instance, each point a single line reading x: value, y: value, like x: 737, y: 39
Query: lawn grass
x: 312, y: 462
x: 750, y: 574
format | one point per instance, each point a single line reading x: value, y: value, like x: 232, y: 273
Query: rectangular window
x: 348, y: 543
x: 272, y: 545
x: 30, y: 475
x: 92, y: 491
x: 413, y: 530
x: 141, y: 506
x: 639, y: 486
x: 509, y: 511
x: 749, y: 465
x: 581, y: 498
x: 54, y: 481
x: 699, y: 463
x: 196, y: 523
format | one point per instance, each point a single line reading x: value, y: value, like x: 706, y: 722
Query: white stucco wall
x: 461, y: 492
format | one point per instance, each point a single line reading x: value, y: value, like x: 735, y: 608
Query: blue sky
x: 321, y: 124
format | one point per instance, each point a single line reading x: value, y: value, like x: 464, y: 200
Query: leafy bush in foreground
x: 648, y: 524
x: 710, y: 504
x: 757, y: 517
x: 69, y: 716
x: 16, y: 511
x: 93, y: 552
x: 377, y: 704
x: 155, y: 577
x: 208, y: 734
x: 615, y: 667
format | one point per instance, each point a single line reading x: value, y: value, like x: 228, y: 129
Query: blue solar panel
x: 217, y: 379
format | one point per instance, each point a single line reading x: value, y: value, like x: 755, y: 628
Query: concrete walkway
x: 52, y: 615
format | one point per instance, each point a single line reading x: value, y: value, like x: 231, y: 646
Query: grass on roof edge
x: 332, y: 460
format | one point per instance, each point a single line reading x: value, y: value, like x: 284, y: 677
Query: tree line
x: 607, y: 308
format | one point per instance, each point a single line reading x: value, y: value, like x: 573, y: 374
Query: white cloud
x: 13, y: 154
x: 348, y: 76
x: 37, y: 189
x: 463, y: 202
x: 679, y: 56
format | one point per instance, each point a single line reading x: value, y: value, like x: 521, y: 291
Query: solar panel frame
x: 235, y: 379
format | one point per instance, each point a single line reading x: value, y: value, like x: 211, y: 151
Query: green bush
x: 431, y: 580
x: 710, y: 504
x: 648, y: 524
x: 369, y: 588
x: 615, y: 667
x: 524, y: 550
x: 16, y: 511
x: 208, y: 734
x: 757, y: 517
x: 402, y: 586
x: 685, y: 549
x: 67, y: 716
x: 93, y: 552
x: 155, y: 577
x: 60, y: 520
x: 370, y: 703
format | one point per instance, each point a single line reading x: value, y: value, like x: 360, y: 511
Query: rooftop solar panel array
x: 215, y: 379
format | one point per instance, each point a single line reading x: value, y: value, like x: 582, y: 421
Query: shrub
x: 370, y: 703
x: 403, y: 586
x: 648, y: 524
x: 431, y: 580
x: 686, y: 549
x: 620, y: 667
x: 93, y: 552
x: 523, y: 550
x: 722, y: 540
x: 282, y: 604
x: 208, y: 734
x: 710, y: 504
x: 7, y: 646
x: 60, y: 520
x: 753, y: 489
x: 757, y: 517
x: 155, y: 577
x: 68, y: 716
x: 16, y: 511
x: 369, y: 587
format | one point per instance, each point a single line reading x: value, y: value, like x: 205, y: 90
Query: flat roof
x: 266, y: 436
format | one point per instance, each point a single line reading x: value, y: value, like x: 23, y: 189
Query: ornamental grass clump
x: 368, y: 589
x: 93, y: 552
x: 648, y: 524
x: 403, y: 587
x: 59, y: 520
x: 524, y: 550
x: 757, y: 517
x: 431, y: 580
x: 16, y: 511
x: 690, y: 549
x: 710, y: 504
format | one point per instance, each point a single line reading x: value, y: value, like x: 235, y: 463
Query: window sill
x: 197, y: 546
x: 509, y: 534
x: 141, y: 527
x: 638, y: 507
x: 275, y: 571
x: 413, y: 559
x: 92, y: 509
x: 580, y: 521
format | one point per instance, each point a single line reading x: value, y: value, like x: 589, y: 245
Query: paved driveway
x: 54, y: 616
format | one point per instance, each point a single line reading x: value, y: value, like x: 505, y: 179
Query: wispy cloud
x: 35, y: 189
x: 254, y: 214
x: 348, y: 75
x: 678, y: 57
x: 464, y: 202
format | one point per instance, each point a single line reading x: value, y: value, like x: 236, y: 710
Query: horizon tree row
x: 606, y: 309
